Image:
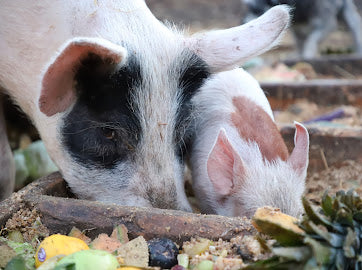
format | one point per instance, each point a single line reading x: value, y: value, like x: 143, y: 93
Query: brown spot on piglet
x: 254, y: 124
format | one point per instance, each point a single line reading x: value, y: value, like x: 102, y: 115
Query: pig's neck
x: 254, y: 125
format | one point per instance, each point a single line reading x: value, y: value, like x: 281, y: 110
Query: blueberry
x: 163, y: 252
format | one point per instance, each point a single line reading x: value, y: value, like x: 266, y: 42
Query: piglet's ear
x: 224, y: 165
x: 226, y: 49
x: 300, y: 155
x: 57, y: 89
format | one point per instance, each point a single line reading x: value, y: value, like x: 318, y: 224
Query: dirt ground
x: 346, y: 176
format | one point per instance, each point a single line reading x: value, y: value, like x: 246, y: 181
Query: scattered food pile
x: 326, y: 238
x: 77, y: 251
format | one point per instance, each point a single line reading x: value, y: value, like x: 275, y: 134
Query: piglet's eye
x: 109, y: 133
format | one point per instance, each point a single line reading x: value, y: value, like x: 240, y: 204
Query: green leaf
x: 311, y: 264
x: 316, y: 217
x: 335, y: 240
x: 340, y: 193
x: 16, y: 263
x: 348, y: 199
x: 344, y: 217
x: 340, y: 260
x: 358, y: 216
x: 298, y: 254
x: 323, y: 254
x: 327, y: 204
x: 348, y: 246
x: 26, y: 251
x: 68, y: 266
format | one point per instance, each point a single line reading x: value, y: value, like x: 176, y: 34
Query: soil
x: 346, y: 176
x: 28, y: 222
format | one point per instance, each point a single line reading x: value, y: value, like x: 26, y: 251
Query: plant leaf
x: 327, y: 204
x: 298, y: 254
x: 316, y: 217
x: 323, y: 254
x: 344, y: 217
x: 348, y: 246
x: 335, y: 240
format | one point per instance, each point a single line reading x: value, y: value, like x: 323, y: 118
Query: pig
x: 7, y: 164
x: 239, y: 160
x: 109, y: 88
x: 314, y: 20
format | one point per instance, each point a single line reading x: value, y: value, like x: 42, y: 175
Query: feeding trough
x: 60, y: 211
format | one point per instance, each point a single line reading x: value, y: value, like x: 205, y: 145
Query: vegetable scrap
x: 77, y: 251
x: 327, y: 237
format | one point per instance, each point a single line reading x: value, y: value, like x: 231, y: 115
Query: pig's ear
x: 224, y: 165
x: 57, y: 89
x: 226, y: 49
x: 300, y: 155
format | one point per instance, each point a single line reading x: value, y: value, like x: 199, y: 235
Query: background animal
x: 314, y: 20
x: 108, y: 87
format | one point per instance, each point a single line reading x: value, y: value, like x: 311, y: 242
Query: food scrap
x: 116, y: 252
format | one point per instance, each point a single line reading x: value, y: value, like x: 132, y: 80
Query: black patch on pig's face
x: 102, y: 128
x: 193, y: 75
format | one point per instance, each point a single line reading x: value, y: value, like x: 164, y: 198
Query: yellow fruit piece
x: 275, y: 216
x: 278, y: 225
x: 196, y: 246
x: 57, y: 244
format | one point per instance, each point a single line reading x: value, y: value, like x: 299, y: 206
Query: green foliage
x: 332, y: 240
x: 23, y: 250
x: 16, y: 263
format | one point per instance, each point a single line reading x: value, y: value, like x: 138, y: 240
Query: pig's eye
x: 109, y: 133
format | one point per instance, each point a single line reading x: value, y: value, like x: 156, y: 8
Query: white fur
x: 266, y: 183
x: 34, y: 34
x: 226, y: 49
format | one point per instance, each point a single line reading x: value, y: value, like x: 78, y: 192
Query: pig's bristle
x: 253, y: 123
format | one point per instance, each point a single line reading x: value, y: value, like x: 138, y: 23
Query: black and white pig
x: 109, y: 86
x: 313, y: 20
x: 239, y: 160
x: 7, y: 164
